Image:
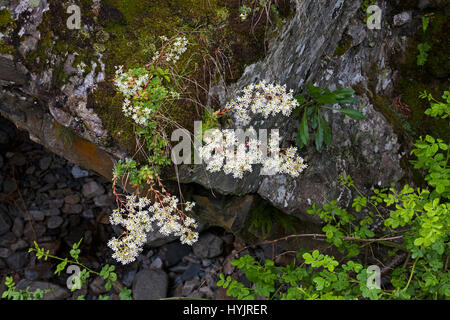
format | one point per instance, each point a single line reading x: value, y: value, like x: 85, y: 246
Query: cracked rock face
x: 367, y: 150
x: 55, y: 113
x: 304, y: 51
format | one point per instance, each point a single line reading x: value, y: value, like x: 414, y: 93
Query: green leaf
x: 301, y: 100
x: 313, y: 90
x: 327, y: 98
x: 319, y: 137
x: 425, y: 23
x: 269, y: 263
x: 326, y: 131
x: 422, y: 57
x: 60, y: 267
x: 125, y: 294
x: 344, y: 92
x: 352, y: 113
x: 299, y: 141
x: 315, y: 254
x: 349, y: 100
x: 418, y: 242
x: 320, y: 283
x: 430, y: 139
x: 113, y: 276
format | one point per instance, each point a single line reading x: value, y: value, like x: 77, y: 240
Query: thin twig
x: 318, y: 237
x: 394, y: 262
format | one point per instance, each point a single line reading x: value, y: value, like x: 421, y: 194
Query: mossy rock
x: 216, y: 35
x: 7, y: 24
x: 127, y: 32
x: 412, y: 80
x: 438, y: 63
x: 432, y: 77
x: 5, y: 19
x: 344, y: 44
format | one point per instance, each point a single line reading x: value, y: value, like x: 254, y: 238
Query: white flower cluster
x: 241, y: 156
x: 175, y: 49
x: 265, y: 99
x: 129, y: 86
x: 138, y: 217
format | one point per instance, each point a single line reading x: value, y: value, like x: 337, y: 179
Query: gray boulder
x: 150, y: 285
x: 208, y: 246
x: 5, y: 221
x: 92, y: 189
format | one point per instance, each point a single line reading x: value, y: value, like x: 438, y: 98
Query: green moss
x: 108, y: 106
x: 216, y: 35
x: 7, y: 48
x: 266, y: 221
x: 59, y: 41
x: 59, y: 77
x: 5, y: 19
x: 127, y: 32
x: 420, y: 123
x: 7, y: 25
x: 64, y: 134
x: 344, y: 44
x: 413, y: 80
x: 438, y: 63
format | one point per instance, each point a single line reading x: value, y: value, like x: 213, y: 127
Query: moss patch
x: 344, y: 44
x: 7, y: 25
x: 267, y: 222
x: 127, y: 32
x: 5, y: 19
x: 433, y: 76
x: 57, y: 41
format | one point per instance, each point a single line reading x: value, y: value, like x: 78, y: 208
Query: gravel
x: 150, y: 285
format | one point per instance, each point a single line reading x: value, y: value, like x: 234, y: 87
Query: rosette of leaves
x: 310, y: 112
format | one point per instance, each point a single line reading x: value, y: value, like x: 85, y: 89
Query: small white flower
x: 267, y: 100
x: 138, y: 220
